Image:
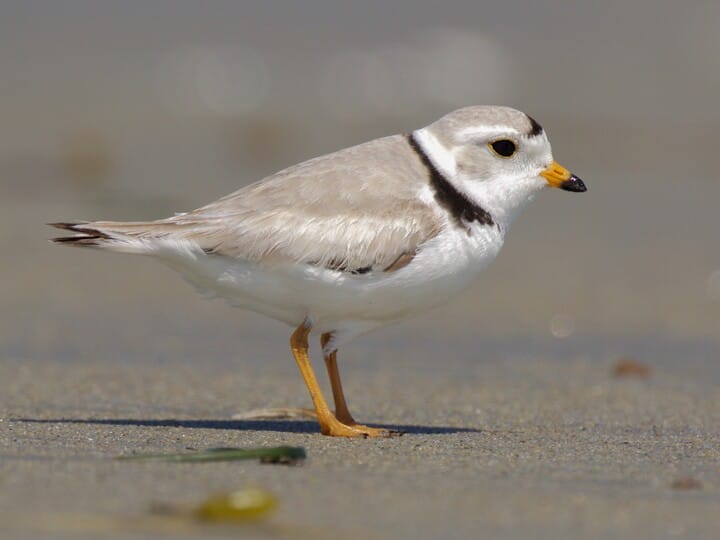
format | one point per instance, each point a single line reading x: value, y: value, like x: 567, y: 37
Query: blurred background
x: 134, y: 110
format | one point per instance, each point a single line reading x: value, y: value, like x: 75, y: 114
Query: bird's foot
x: 353, y: 429
x: 373, y: 432
x: 346, y: 418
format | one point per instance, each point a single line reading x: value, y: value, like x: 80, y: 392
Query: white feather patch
x: 440, y: 156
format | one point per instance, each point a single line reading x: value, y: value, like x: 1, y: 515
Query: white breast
x: 345, y: 303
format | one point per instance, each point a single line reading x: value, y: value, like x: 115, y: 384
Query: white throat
x: 504, y: 199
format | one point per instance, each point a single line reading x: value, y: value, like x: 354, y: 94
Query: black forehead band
x: 536, y: 128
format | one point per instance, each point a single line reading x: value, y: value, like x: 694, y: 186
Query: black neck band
x: 458, y: 205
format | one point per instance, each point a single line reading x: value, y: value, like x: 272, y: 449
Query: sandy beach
x: 517, y: 422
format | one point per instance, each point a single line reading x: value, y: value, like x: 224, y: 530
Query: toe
x: 373, y: 432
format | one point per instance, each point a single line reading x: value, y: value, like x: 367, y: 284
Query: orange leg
x: 341, y: 409
x: 329, y: 425
x: 342, y: 412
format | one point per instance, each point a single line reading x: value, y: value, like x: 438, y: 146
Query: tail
x: 127, y: 237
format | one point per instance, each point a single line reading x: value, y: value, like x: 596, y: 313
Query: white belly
x: 346, y: 303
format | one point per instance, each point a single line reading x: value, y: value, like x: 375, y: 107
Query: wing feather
x: 355, y: 209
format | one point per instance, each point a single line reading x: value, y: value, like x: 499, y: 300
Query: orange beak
x: 559, y: 177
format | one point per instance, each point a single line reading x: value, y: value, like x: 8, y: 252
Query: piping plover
x: 348, y: 242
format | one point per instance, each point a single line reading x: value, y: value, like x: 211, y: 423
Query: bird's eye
x: 503, y: 147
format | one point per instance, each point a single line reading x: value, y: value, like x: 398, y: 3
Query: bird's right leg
x: 342, y: 413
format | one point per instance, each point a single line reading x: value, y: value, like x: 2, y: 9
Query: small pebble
x: 629, y: 367
x: 686, y: 483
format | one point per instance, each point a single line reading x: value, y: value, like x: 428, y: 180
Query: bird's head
x: 497, y: 156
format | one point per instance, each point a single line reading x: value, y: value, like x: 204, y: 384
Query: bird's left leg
x: 342, y: 412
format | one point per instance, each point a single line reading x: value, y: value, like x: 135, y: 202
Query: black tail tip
x: 66, y: 225
x: 86, y: 236
x: 76, y: 240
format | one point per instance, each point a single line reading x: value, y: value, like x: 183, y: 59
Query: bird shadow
x: 289, y: 426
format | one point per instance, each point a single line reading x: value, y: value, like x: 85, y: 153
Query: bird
x: 351, y: 241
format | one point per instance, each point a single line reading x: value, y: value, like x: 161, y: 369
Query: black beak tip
x: 574, y: 184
